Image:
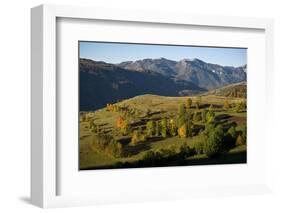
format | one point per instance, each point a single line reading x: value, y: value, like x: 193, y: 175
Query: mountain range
x: 102, y: 83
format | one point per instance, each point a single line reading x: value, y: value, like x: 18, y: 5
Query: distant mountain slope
x: 238, y: 90
x: 102, y: 83
x: 163, y: 66
x: 205, y: 75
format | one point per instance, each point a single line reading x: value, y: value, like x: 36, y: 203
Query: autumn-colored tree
x: 135, y: 137
x: 110, y: 107
x: 119, y: 122
x: 122, y: 124
x: 239, y: 140
x: 226, y: 105
x: 182, y: 131
x: 188, y: 103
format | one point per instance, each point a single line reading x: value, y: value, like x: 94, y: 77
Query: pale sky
x: 119, y: 52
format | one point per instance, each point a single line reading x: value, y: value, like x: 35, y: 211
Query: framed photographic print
x: 131, y: 102
x: 145, y: 105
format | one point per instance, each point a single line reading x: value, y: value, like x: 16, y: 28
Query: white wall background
x: 15, y: 104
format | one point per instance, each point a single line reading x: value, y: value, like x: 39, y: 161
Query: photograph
x: 159, y: 105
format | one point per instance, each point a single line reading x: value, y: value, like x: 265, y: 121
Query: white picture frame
x: 44, y: 154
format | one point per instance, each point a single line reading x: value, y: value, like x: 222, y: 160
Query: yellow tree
x: 182, y: 131
x: 119, y: 122
x: 135, y: 137
x: 122, y: 124
x: 109, y: 107
x: 226, y: 105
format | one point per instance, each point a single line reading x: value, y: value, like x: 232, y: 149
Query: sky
x: 119, y: 52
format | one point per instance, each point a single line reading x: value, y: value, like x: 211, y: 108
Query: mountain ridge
x: 102, y: 83
x: 203, y: 74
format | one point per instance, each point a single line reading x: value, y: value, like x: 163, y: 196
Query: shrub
x: 199, y: 147
x: 240, y: 106
x: 244, y: 134
x: 115, y: 148
x: 204, y: 115
x: 151, y: 158
x: 143, y: 137
x: 197, y: 116
x: 209, y: 128
x: 230, y: 137
x: 186, y: 151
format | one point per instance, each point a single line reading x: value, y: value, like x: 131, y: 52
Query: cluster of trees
x: 216, y: 140
x: 197, y: 102
x: 181, y: 125
x: 185, y: 119
x: 240, y: 92
x: 162, y: 157
x: 108, y: 144
x: 240, y: 106
x: 237, y: 107
x: 124, y: 111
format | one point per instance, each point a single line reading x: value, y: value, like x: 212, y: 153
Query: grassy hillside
x: 133, y: 126
x: 238, y: 90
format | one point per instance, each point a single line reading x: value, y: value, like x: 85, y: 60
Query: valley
x: 160, y: 112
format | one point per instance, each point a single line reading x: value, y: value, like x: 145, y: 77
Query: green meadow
x: 150, y: 130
